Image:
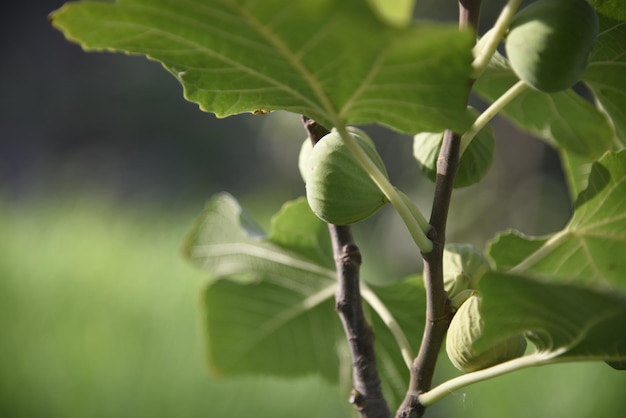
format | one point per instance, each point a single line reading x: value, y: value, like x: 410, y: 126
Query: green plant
x: 338, y: 189
x: 348, y: 62
x: 549, y: 43
x: 466, y: 328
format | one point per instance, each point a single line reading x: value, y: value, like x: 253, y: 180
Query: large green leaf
x: 277, y: 325
x: 270, y: 306
x: 606, y: 78
x: 576, y: 168
x: 397, y: 12
x: 405, y: 302
x: 591, y: 249
x: 564, y: 119
x: 271, y: 309
x: 332, y: 60
x: 570, y: 322
x: 606, y: 74
x: 612, y: 9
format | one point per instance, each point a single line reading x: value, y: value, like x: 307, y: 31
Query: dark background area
x: 71, y: 119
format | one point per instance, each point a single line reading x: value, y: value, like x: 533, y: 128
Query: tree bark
x: 439, y: 312
x: 367, y: 395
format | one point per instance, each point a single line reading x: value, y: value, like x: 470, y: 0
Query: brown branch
x: 438, y: 309
x: 469, y: 14
x: 367, y: 395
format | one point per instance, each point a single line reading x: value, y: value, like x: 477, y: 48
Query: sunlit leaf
x: 606, y: 74
x: 269, y: 308
x: 576, y: 169
x: 332, y: 60
x: 590, y: 250
x: 398, y: 12
x: 605, y: 77
x: 572, y: 322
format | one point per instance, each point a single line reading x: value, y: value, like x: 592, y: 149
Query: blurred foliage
x: 98, y: 318
x: 574, y: 390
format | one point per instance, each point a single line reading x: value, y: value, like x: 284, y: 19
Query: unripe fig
x: 466, y: 327
x: 338, y: 189
x: 463, y: 266
x: 475, y: 161
x: 549, y: 43
x: 303, y: 158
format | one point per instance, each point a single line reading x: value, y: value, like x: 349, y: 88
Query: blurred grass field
x: 99, y: 318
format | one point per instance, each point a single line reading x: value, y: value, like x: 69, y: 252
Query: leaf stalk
x: 447, y: 388
x: 411, y: 216
x: 438, y: 308
x: 489, y: 113
x: 495, y: 36
x: 381, y: 310
x: 367, y: 395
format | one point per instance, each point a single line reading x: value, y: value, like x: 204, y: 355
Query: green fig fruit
x: 303, y: 158
x: 338, y: 189
x: 463, y: 266
x: 475, y: 161
x: 466, y: 327
x: 549, y: 43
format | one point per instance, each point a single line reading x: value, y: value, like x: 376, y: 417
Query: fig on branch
x: 549, y: 43
x: 303, y: 158
x: 466, y: 327
x: 338, y: 188
x: 463, y: 266
x: 475, y: 161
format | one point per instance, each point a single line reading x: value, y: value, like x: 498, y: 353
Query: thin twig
x: 438, y: 308
x: 367, y: 395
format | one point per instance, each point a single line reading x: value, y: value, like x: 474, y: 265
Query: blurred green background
x: 103, y: 168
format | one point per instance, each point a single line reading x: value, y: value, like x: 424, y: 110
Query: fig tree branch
x: 439, y: 311
x: 367, y: 395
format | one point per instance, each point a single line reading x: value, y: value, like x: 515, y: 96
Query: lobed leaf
x: 606, y: 74
x: 271, y: 311
x: 573, y: 323
x: 405, y: 301
x: 270, y: 306
x: 334, y: 61
x: 590, y: 250
x: 576, y: 169
x: 605, y: 77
